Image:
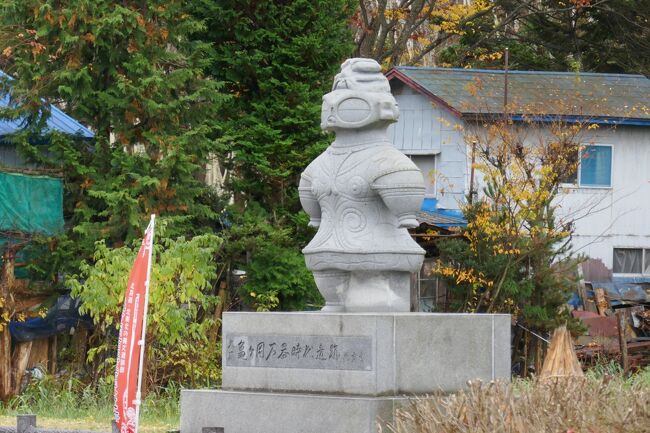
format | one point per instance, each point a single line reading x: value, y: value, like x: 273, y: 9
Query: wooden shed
x: 31, y: 205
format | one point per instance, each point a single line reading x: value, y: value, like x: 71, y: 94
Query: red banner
x: 128, y: 362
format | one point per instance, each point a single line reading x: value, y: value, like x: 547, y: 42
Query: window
x: 631, y: 261
x: 595, y: 167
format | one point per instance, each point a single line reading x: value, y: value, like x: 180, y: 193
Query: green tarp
x: 31, y: 204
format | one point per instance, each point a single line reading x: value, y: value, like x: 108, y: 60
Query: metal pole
x: 505, y: 83
x: 532, y: 332
x: 471, y: 173
x: 138, y: 396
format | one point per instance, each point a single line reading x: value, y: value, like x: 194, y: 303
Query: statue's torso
x: 357, y: 230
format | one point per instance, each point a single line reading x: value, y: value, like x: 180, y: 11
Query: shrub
x: 180, y: 304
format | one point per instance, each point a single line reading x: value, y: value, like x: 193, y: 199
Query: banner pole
x: 138, y: 396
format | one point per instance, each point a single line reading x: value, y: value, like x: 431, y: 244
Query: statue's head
x: 360, y: 97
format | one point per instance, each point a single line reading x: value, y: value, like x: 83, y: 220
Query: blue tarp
x: 618, y: 292
x: 60, y: 318
x: 445, y: 218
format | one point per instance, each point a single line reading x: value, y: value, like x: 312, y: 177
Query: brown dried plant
x: 561, y: 405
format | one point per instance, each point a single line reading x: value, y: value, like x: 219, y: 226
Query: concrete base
x: 341, y: 372
x: 259, y: 412
x: 398, y: 353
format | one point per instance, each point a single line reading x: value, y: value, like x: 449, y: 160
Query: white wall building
x: 610, y: 195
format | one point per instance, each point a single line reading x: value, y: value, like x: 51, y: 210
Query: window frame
x: 578, y: 183
x: 435, y: 303
x: 645, y: 255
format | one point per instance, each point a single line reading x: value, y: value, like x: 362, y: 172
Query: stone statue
x: 362, y: 194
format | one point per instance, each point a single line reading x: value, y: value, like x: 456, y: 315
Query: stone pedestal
x: 340, y: 373
x: 266, y: 412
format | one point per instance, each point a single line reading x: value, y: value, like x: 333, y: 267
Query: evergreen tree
x: 130, y: 71
x: 603, y: 36
x: 582, y: 35
x: 276, y: 59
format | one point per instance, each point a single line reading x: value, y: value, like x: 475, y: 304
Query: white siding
x: 605, y: 218
x: 619, y: 216
x: 213, y: 174
x: 452, y: 170
x: 430, y: 134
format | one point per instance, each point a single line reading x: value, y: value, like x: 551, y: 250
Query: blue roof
x: 599, y: 98
x: 57, y: 121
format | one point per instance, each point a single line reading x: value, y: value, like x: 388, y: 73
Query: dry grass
x: 560, y: 405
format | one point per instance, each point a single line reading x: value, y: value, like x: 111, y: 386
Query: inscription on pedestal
x: 299, y: 351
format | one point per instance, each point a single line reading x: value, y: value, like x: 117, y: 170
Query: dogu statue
x: 363, y: 195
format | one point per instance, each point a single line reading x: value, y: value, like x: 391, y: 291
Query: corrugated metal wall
x: 418, y: 131
x: 430, y: 134
x: 10, y: 158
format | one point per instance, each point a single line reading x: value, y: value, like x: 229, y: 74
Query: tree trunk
x: 52, y: 351
x: 80, y: 343
x: 539, y: 355
x: 5, y: 364
x: 218, y: 312
x: 19, y: 361
x: 517, y: 351
x: 7, y: 280
x: 525, y: 355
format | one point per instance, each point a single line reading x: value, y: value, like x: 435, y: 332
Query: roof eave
x: 397, y: 74
x: 568, y: 118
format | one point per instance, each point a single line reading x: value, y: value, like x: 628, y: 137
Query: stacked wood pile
x: 610, y: 330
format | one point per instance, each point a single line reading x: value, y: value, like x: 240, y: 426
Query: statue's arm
x: 402, y: 190
x: 309, y: 201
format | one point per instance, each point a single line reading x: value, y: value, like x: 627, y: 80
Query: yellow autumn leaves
x: 7, y: 316
x: 452, y: 14
x: 462, y: 276
x: 512, y: 230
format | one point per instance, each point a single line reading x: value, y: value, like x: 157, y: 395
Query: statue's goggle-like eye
x: 353, y: 110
